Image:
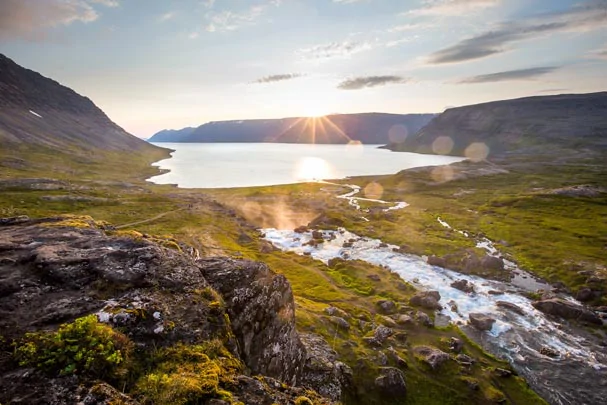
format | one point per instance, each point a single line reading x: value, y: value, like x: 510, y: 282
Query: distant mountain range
x: 36, y: 111
x: 563, y: 121
x: 368, y: 128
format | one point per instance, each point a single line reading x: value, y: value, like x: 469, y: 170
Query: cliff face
x: 38, y: 111
x: 368, y: 128
x: 567, y: 121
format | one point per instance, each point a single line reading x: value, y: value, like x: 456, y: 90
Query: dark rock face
x: 262, y: 311
x: 481, y: 321
x: 567, y: 310
x: 322, y: 371
x: 65, y: 118
x: 426, y: 299
x: 391, y: 382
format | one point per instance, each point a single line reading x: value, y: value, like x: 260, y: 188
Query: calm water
x: 219, y: 165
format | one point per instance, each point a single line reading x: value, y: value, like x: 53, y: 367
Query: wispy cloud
x: 453, y: 7
x: 582, y: 17
x: 228, y: 20
x: 167, y: 16
x: 598, y: 53
x: 334, y: 50
x: 358, y: 83
x: 29, y: 20
x: 107, y: 3
x: 208, y: 3
x: 510, y: 75
x: 278, y: 78
x: 400, y: 41
x: 409, y: 27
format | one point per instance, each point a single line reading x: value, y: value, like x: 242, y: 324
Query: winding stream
x: 578, y: 375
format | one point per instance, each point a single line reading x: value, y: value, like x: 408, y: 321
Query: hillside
x: 36, y: 111
x: 564, y: 121
x: 369, y: 128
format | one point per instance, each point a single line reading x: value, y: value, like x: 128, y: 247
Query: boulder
x: 317, y: 235
x: 426, y: 299
x: 548, y: 351
x: 567, y: 310
x: 492, y: 263
x: 404, y: 320
x: 431, y: 356
x: 584, y: 294
x: 481, y: 321
x: 341, y: 323
x: 386, y: 306
x: 456, y: 345
x: 391, y: 382
x: 424, y: 319
x: 510, y: 306
x: 380, y: 334
x: 334, y: 311
x: 437, y: 261
x: 396, y: 359
x: 463, y: 285
x: 323, y: 371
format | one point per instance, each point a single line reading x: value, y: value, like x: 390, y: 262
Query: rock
x: 389, y: 322
x: 548, y: 351
x: 374, y: 277
x: 431, y: 356
x: 317, y: 235
x: 244, y: 239
x: 262, y: 313
x: 456, y: 345
x: 472, y: 383
x: 584, y: 294
x: 567, y: 310
x: 453, y: 306
x: 21, y: 219
x: 387, y: 307
x: 301, y: 229
x: 492, y: 263
x: 501, y: 372
x: 426, y: 299
x: 510, y: 306
x: 323, y: 371
x: 441, y: 321
x: 495, y: 292
x: 382, y: 359
x: 481, y: 321
x: 391, y: 382
x: 404, y: 320
x: 266, y: 247
x: 463, y: 285
x: 401, y: 337
x: 334, y: 311
x: 341, y: 323
x: 464, y: 359
x: 437, y: 261
x: 347, y: 244
x: 424, y: 319
x: 380, y: 334
x: 396, y: 359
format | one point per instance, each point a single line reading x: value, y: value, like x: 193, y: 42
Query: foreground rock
x: 56, y: 270
x: 567, y: 310
x: 391, y: 382
x: 431, y: 356
x: 427, y: 299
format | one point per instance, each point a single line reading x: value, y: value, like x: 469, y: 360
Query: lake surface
x: 224, y: 165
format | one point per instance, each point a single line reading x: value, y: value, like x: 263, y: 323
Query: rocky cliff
x: 563, y: 121
x: 368, y: 128
x: 87, y: 312
x: 38, y: 111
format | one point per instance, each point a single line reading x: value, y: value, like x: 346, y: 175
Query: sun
x: 313, y: 169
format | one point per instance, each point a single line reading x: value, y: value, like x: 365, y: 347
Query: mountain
x: 369, y: 128
x: 563, y: 121
x: 36, y: 111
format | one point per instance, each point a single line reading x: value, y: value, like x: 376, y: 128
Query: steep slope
x: 563, y: 121
x: 37, y: 111
x: 369, y: 128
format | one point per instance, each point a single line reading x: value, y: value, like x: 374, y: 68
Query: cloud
x: 598, y: 54
x: 334, y: 50
x: 401, y: 41
x: 347, y: 1
x: 583, y: 17
x: 166, y: 16
x: 208, y: 3
x: 553, y: 90
x: 228, y: 20
x: 510, y: 75
x: 358, y: 83
x: 30, y: 19
x: 278, y: 78
x: 409, y: 27
x: 107, y: 3
x: 453, y: 7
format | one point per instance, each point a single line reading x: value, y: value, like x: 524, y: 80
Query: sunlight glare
x: 313, y: 169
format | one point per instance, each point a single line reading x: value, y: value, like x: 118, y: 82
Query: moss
x: 185, y: 374
x: 303, y: 401
x: 84, y: 346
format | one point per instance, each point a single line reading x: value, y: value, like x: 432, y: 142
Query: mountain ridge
x: 367, y: 128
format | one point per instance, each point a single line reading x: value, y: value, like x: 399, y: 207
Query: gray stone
x: 426, y: 299
x: 391, y: 382
x: 481, y: 321
x: 431, y: 356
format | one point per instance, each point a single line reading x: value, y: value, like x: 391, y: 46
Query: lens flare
x: 313, y: 169
x: 443, y: 145
x: 373, y: 191
x: 477, y: 151
x: 441, y: 174
x: 398, y: 133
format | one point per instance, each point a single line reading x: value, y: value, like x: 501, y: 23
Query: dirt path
x: 145, y: 221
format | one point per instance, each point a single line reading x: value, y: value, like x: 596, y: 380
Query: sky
x: 153, y: 65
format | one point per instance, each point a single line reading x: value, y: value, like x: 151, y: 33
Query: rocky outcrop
x: 568, y: 310
x: 262, y: 313
x: 431, y: 356
x: 322, y: 371
x: 380, y: 334
x: 391, y: 382
x: 427, y: 299
x: 481, y: 321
